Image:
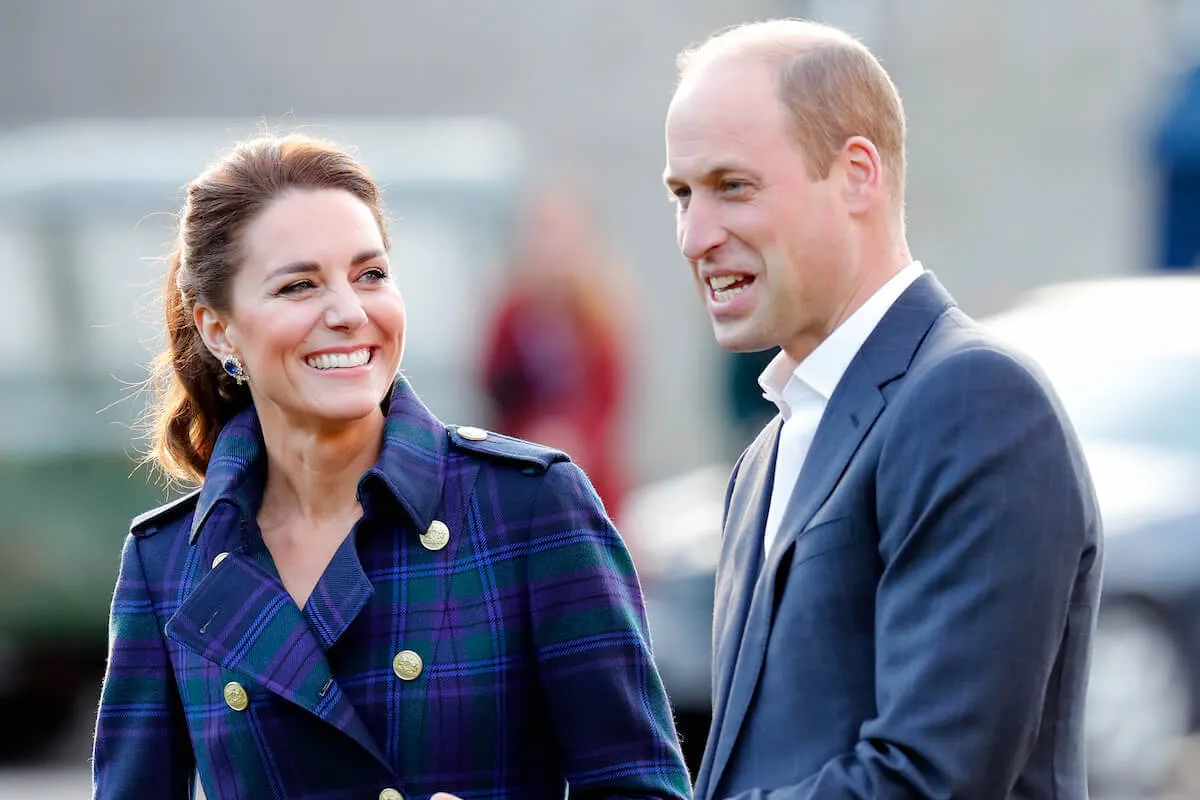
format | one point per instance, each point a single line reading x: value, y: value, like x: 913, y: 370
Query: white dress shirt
x: 801, y: 391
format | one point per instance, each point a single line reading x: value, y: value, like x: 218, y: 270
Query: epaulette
x: 144, y: 524
x: 534, y: 457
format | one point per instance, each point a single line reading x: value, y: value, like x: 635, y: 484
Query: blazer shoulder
x: 152, y: 521
x: 969, y: 344
x: 529, y: 456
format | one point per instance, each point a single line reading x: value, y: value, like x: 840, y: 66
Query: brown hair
x: 194, y: 397
x: 830, y: 83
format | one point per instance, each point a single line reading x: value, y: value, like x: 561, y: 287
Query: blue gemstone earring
x: 234, y: 369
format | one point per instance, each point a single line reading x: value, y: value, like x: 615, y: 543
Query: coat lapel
x: 741, y: 556
x: 853, y: 409
x: 241, y: 617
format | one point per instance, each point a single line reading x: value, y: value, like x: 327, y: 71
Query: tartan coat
x: 511, y: 661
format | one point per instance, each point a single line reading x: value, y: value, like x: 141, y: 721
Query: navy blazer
x: 921, y: 626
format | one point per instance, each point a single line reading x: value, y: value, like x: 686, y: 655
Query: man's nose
x: 700, y: 230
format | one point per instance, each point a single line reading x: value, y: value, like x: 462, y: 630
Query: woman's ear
x: 214, y: 330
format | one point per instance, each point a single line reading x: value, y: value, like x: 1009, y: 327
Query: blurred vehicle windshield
x: 1150, y: 399
x: 1123, y: 355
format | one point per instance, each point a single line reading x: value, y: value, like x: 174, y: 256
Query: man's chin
x: 736, y: 340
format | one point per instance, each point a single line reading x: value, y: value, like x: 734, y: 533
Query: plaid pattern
x: 537, y: 671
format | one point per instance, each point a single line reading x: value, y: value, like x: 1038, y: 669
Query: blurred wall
x: 1026, y: 122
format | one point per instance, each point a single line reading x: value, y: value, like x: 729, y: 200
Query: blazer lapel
x: 241, y: 617
x: 742, y: 545
x: 853, y: 409
x: 741, y: 556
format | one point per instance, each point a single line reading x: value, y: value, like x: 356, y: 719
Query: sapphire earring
x: 234, y: 369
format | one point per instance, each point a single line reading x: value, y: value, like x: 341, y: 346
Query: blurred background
x: 1054, y: 188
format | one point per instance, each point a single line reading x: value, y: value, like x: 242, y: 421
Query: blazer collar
x: 889, y: 350
x: 410, y: 468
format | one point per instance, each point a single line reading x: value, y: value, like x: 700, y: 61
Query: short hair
x: 194, y: 397
x: 832, y: 86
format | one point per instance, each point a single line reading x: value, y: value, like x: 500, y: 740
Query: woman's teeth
x: 340, y: 360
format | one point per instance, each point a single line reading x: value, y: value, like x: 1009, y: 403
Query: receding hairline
x: 856, y: 96
x: 774, y: 42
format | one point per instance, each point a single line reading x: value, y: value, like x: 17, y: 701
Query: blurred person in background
x: 554, y: 359
x: 324, y: 617
x: 910, y: 566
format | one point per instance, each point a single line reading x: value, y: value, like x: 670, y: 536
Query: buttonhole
x: 211, y: 617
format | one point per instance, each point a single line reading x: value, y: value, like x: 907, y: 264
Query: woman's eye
x: 296, y: 287
x: 374, y: 275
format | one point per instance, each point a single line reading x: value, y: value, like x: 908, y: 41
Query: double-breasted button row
x: 407, y: 665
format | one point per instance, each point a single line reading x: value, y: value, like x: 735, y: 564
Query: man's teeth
x: 726, y: 287
x: 340, y: 360
x: 721, y: 295
x: 720, y: 282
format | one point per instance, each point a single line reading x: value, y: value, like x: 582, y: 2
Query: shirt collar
x: 411, y: 464
x: 786, y: 383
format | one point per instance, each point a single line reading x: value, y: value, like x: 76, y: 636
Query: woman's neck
x: 313, y: 474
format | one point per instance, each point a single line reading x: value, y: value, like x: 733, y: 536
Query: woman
x: 555, y: 357
x: 358, y: 601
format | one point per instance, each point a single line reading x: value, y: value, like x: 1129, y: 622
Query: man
x: 911, y: 559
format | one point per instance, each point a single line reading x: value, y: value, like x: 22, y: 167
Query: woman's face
x: 314, y: 313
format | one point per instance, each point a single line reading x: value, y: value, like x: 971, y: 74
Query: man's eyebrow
x: 710, y: 176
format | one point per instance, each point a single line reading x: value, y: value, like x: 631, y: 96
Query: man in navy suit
x: 911, y: 560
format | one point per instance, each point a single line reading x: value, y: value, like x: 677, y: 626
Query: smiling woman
x: 349, y: 566
x: 312, y: 313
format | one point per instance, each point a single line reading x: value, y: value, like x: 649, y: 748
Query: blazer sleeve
x: 142, y: 748
x: 986, y: 519
x: 603, y: 693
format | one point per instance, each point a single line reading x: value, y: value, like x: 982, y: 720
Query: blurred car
x: 86, y: 209
x: 1124, y: 356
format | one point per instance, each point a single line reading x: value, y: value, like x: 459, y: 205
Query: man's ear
x: 866, y: 182
x: 214, y: 330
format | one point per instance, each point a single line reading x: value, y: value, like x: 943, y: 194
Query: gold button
x: 437, y: 536
x: 474, y: 434
x: 390, y: 794
x: 220, y: 557
x: 407, y: 665
x: 236, y: 697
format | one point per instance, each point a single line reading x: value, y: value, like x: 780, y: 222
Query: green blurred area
x: 60, y: 541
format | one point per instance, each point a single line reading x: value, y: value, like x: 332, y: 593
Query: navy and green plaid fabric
x: 537, y: 671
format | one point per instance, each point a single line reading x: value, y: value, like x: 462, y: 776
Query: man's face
x: 764, y: 240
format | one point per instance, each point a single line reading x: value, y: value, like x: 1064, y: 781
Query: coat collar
x: 410, y: 468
